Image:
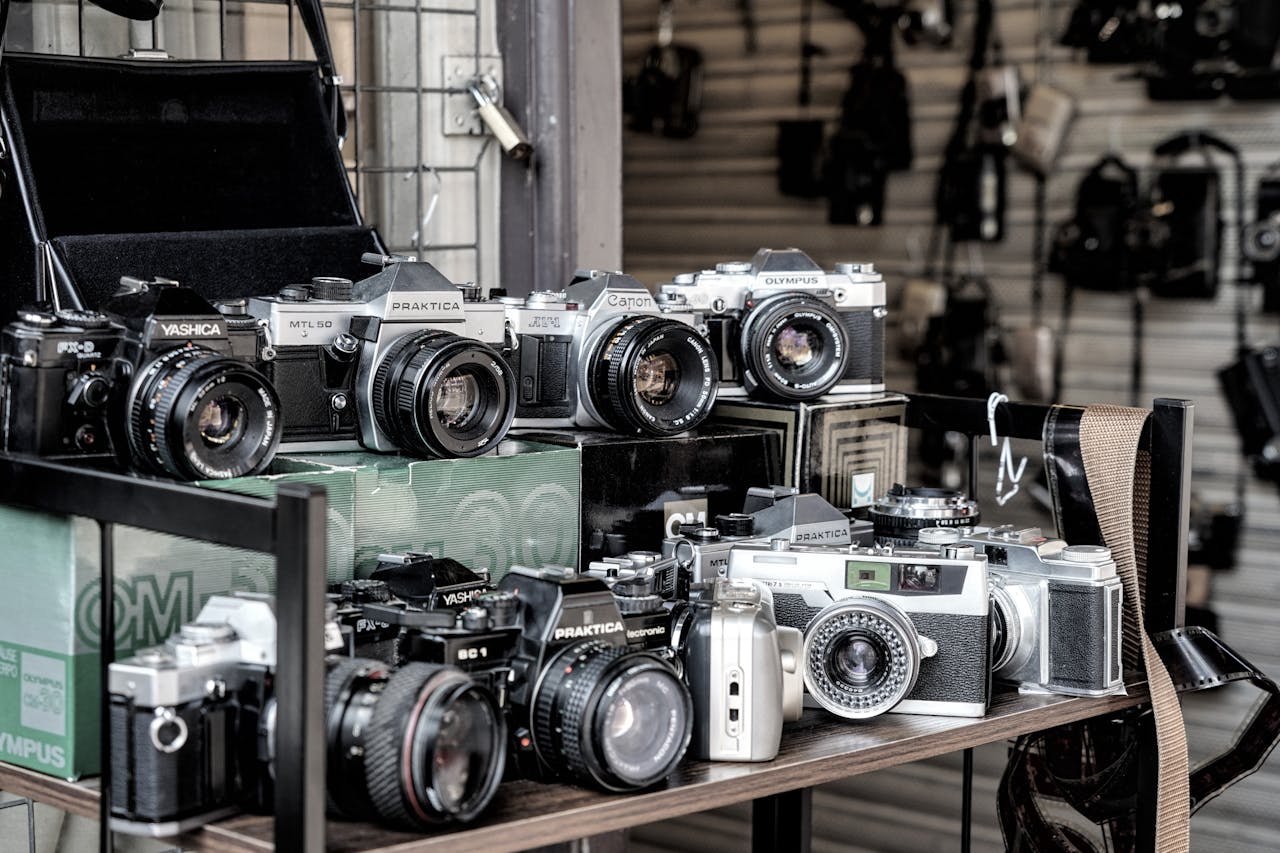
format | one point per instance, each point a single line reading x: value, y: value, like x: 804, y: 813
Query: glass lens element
x: 457, y: 399
x: 796, y: 347
x: 657, y: 378
x: 463, y: 751
x: 643, y: 720
x: 221, y: 422
x: 856, y: 660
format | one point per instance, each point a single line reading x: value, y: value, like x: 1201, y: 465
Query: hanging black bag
x: 666, y: 95
x: 1089, y: 250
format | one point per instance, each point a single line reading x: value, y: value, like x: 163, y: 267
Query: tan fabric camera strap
x: 1119, y: 479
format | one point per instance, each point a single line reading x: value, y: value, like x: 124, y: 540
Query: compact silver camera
x: 601, y: 354
x: 785, y: 329
x: 904, y: 630
x: 769, y: 512
x: 402, y: 360
x: 1056, y: 612
x: 743, y: 671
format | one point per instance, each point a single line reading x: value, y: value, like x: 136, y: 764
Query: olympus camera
x: 1055, y: 612
x: 402, y: 360
x: 194, y: 730
x: 783, y: 328
x: 156, y: 378
x: 601, y: 354
x: 905, y: 510
x: 769, y: 512
x: 885, y: 629
x: 582, y: 704
x: 743, y: 671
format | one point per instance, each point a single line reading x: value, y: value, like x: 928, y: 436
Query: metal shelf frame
x: 292, y: 528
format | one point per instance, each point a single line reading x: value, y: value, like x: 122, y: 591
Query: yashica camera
x: 769, y: 512
x: 404, y: 360
x: 582, y: 704
x: 1055, y: 610
x: 743, y: 671
x: 885, y: 629
x: 156, y: 378
x: 194, y: 730
x: 785, y: 329
x: 904, y: 511
x: 601, y: 354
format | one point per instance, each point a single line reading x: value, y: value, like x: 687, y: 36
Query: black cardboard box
x: 848, y: 448
x: 636, y: 490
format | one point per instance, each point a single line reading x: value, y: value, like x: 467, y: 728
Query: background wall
x: 689, y: 203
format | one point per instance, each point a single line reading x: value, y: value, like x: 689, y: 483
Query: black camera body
x: 157, y: 378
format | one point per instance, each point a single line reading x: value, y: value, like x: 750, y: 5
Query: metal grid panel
x: 421, y: 168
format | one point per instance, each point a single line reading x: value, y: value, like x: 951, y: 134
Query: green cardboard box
x: 49, y: 625
x: 516, y: 506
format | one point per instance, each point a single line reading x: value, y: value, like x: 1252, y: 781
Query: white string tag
x: 1005, y: 465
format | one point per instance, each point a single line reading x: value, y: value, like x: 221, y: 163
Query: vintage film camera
x: 402, y: 360
x: 194, y: 732
x: 743, y: 671
x: 1055, y: 612
x: 582, y: 705
x: 601, y: 354
x: 783, y: 328
x: 903, y: 630
x: 905, y: 510
x: 769, y: 512
x: 156, y: 378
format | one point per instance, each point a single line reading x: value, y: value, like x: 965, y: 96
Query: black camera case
x: 225, y: 176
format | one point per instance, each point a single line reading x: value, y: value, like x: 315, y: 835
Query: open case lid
x: 223, y: 175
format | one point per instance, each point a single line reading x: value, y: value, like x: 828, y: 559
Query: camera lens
x: 1262, y: 241
x: 652, y: 375
x: 861, y: 657
x: 195, y: 414
x: 439, y: 394
x: 905, y: 510
x: 793, y: 347
x: 413, y: 746
x: 611, y: 715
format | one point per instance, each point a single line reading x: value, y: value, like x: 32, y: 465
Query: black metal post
x: 1172, y: 426
x: 966, y: 804
x: 106, y: 654
x: 782, y: 822
x: 300, y: 586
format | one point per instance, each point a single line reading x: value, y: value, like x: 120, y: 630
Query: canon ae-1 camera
x: 885, y: 629
x: 155, y: 378
x: 194, y: 730
x: 601, y: 354
x: 904, y: 511
x: 785, y: 329
x: 1055, y: 612
x: 402, y: 360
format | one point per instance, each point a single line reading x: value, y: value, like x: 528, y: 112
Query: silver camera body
x: 587, y: 356
x: 784, y: 328
x: 902, y: 630
x: 743, y: 671
x: 360, y: 332
x: 1057, y: 612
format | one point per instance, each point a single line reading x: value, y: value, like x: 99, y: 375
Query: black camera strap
x: 312, y: 14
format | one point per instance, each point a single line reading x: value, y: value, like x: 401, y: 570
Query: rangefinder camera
x: 743, y: 671
x: 783, y: 328
x: 1055, y: 612
x: 194, y: 730
x: 601, y: 354
x: 769, y: 512
x: 156, y: 379
x: 885, y: 629
x: 404, y: 360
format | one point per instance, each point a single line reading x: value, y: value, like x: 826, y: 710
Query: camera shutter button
x: 1086, y: 554
x: 83, y: 319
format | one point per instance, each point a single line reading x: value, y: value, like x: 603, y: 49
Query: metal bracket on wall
x: 460, y: 117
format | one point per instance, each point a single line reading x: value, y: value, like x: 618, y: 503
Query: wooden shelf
x: 816, y: 749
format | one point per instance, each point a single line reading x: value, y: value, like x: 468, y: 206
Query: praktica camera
x: 601, y: 354
x: 1056, y: 612
x: 157, y: 378
x: 885, y: 629
x: 785, y: 329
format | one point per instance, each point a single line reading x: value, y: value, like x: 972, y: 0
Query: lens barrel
x: 414, y: 746
x: 436, y: 393
x: 652, y: 375
x: 793, y: 347
x: 905, y: 510
x: 196, y: 414
x: 614, y: 716
x: 861, y: 657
